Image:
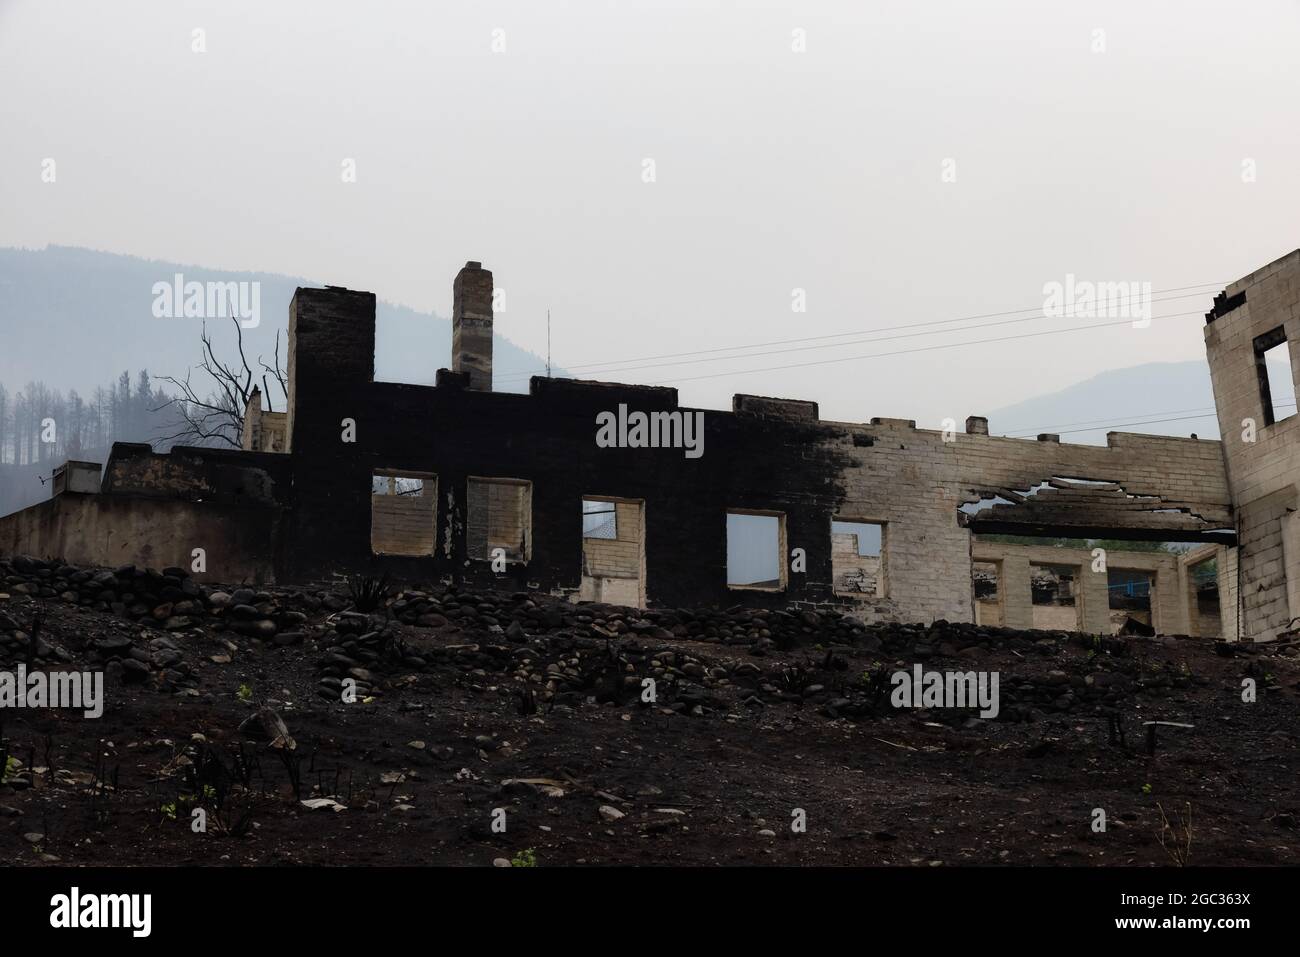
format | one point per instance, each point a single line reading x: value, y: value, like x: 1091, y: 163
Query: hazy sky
x: 775, y: 170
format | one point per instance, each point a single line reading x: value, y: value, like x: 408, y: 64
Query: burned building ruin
x: 457, y: 482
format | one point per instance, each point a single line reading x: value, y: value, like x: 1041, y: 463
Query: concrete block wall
x: 1168, y: 604
x: 914, y: 482
x: 498, y: 515
x: 1205, y: 624
x: 619, y: 557
x: 1263, y: 460
x: 612, y: 569
x: 765, y: 454
x: 1229, y: 600
x: 855, y: 573
x: 405, y: 524
x: 1013, y: 586
x: 263, y: 431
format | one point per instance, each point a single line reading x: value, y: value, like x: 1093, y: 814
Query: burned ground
x: 469, y: 701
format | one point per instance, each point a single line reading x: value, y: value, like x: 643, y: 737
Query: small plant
x: 525, y: 858
x: 245, y: 693
x: 1146, y: 789
x: 368, y: 593
x: 1176, y: 838
x: 11, y: 765
x: 168, y: 811
x: 796, y: 679
x: 875, y: 683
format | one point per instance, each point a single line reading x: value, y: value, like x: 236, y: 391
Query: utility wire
x: 854, y: 342
x: 900, y: 352
x: 1103, y: 424
x: 608, y: 365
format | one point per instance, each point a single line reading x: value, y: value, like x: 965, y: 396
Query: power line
x: 1097, y: 423
x: 1124, y: 425
x: 1103, y: 424
x: 608, y: 365
x: 900, y: 352
x: 854, y: 342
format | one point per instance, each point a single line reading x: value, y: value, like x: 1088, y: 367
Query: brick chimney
x: 471, y: 325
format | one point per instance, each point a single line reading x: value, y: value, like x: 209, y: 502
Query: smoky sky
x: 883, y: 164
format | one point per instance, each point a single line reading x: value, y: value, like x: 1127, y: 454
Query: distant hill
x: 1158, y: 398
x: 74, y: 318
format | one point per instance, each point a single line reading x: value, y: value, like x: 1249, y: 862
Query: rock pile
x: 556, y: 655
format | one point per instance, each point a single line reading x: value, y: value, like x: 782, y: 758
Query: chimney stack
x: 471, y: 325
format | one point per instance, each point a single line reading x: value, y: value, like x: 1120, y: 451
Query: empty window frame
x: 756, y: 550
x: 858, y: 557
x: 1276, y: 382
x: 985, y: 578
x: 1053, y: 593
x: 599, y: 519
x: 613, y: 551
x: 1130, y: 594
x: 403, y: 513
x: 1203, y: 587
x: 500, y: 515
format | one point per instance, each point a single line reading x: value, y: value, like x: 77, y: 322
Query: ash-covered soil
x: 473, y: 708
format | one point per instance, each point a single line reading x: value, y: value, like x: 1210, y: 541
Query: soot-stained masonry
x: 457, y: 482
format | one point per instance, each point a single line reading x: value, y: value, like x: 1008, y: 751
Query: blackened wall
x: 760, y: 460
x: 765, y: 454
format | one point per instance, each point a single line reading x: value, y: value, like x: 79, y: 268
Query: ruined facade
x: 1261, y: 438
x: 455, y: 481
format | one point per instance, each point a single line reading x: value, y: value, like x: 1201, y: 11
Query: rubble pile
x: 554, y: 655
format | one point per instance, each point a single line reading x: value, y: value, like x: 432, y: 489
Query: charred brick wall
x: 763, y: 455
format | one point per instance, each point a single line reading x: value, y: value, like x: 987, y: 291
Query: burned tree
x: 218, y: 417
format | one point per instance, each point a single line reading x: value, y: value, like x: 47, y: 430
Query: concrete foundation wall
x: 239, y: 542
